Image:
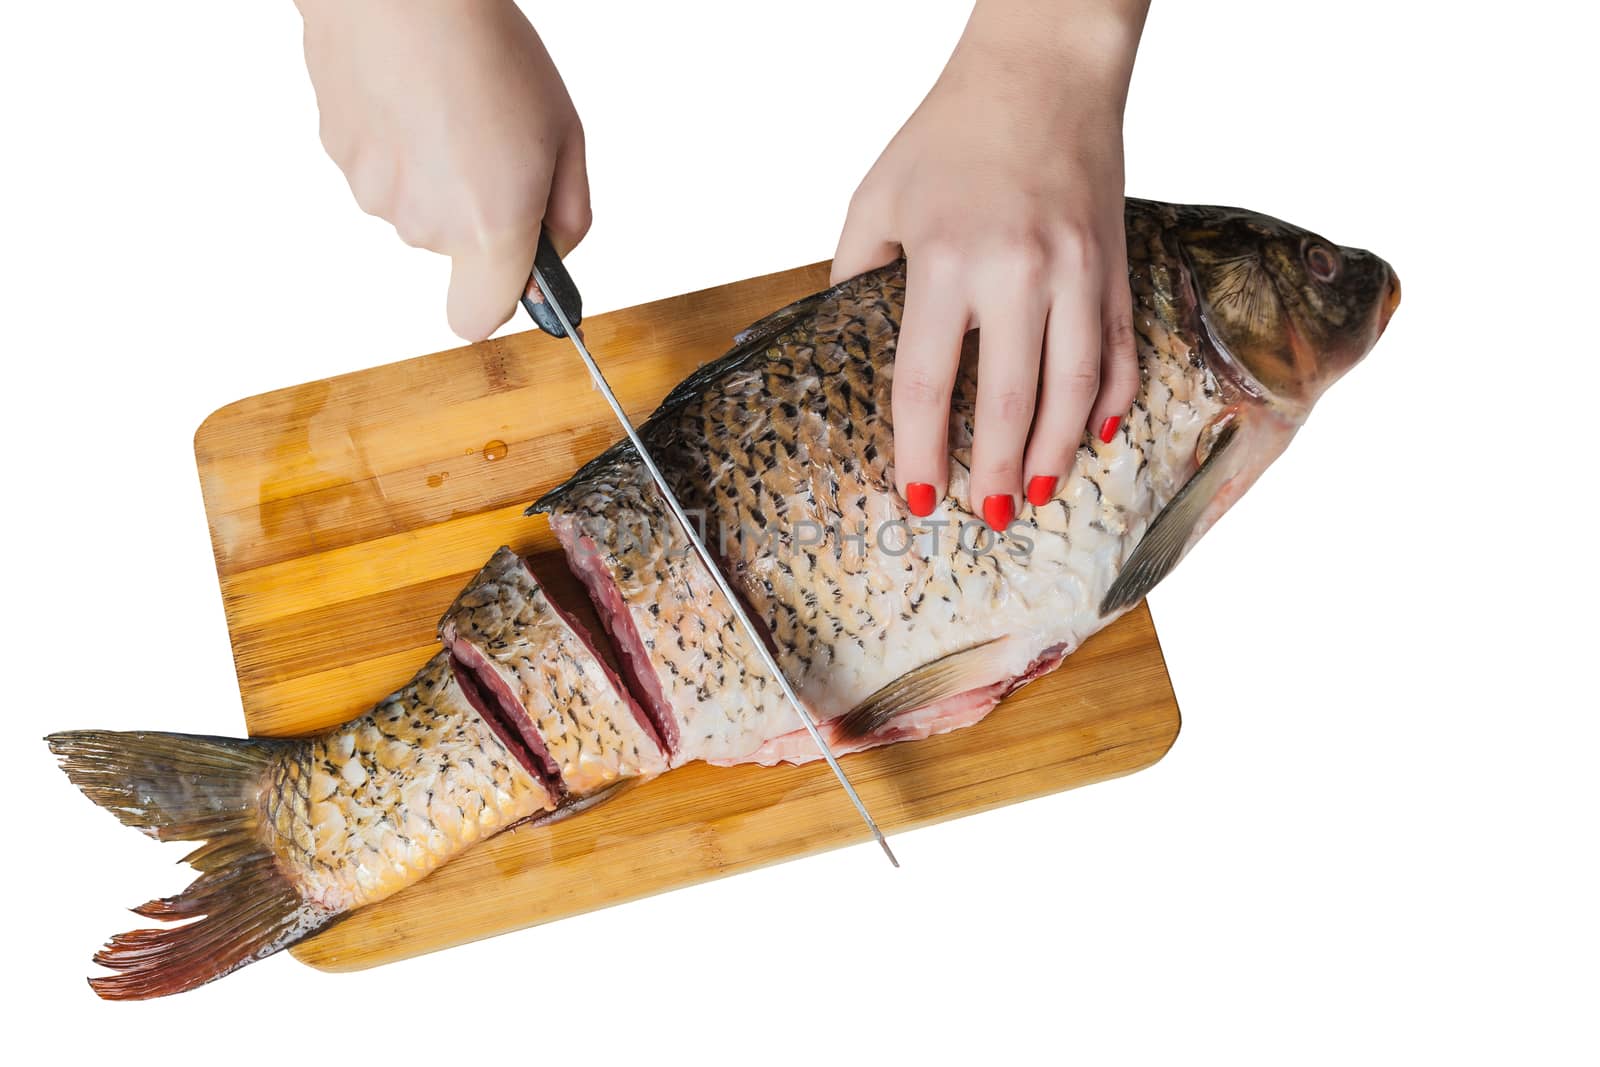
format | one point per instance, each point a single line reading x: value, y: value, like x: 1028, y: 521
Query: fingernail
x: 919, y: 497
x: 1041, y: 488
x: 1108, y: 429
x: 999, y: 510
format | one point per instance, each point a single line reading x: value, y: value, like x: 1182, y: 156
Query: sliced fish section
x: 535, y: 667
x: 683, y: 650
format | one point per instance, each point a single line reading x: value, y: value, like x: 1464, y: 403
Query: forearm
x: 391, y: 8
x: 1088, y: 45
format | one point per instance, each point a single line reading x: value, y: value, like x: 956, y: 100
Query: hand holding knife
x: 557, y: 308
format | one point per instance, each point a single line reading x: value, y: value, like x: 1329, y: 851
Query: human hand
x: 450, y: 121
x: 1004, y: 190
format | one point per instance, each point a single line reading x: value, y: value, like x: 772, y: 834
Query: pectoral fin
x: 1163, y: 543
x: 958, y: 672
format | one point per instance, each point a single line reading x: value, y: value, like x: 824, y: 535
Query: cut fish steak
x: 536, y: 673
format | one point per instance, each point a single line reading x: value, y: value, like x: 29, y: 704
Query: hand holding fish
x: 1004, y: 192
x: 450, y: 121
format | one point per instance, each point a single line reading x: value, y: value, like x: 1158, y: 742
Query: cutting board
x: 346, y: 514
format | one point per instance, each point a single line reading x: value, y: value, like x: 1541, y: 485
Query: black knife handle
x: 562, y: 287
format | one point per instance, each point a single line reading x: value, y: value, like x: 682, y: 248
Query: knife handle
x: 562, y: 287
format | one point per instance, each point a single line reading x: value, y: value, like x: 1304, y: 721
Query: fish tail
x: 181, y: 787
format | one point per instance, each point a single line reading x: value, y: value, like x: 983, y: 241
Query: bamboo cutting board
x: 347, y: 513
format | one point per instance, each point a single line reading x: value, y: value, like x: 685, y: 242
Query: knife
x: 556, y: 306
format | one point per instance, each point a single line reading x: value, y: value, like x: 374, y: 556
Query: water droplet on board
x: 495, y: 450
x: 436, y: 480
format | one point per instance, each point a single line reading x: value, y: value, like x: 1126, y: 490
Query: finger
x: 862, y: 244
x: 412, y: 220
x: 380, y: 191
x: 485, y: 284
x: 416, y: 233
x: 567, y: 216
x: 1119, y: 357
x: 374, y: 180
x: 1069, y: 382
x: 1010, y: 338
x: 926, y: 359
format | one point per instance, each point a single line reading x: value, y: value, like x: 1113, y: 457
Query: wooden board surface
x: 347, y: 513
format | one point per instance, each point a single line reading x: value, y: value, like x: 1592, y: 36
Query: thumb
x: 862, y: 245
x: 485, y: 284
x: 567, y: 216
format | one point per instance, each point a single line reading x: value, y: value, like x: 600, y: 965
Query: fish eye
x: 1322, y: 262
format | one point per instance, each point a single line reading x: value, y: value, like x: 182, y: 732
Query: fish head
x: 1290, y: 309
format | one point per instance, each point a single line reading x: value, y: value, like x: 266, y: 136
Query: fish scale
x: 377, y: 817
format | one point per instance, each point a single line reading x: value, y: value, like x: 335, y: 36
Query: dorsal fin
x: 750, y: 341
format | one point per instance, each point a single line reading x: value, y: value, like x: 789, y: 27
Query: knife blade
x: 552, y: 299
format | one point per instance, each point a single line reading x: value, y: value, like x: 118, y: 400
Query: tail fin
x: 179, y: 787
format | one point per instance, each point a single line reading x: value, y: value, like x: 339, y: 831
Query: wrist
x: 1067, y: 40
x: 384, y: 10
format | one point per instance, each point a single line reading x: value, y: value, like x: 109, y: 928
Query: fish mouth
x: 1391, y: 299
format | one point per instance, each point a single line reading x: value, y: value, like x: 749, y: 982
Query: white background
x: 1375, y: 838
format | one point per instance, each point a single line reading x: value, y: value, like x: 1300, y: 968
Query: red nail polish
x: 919, y: 498
x: 999, y: 510
x: 1041, y: 488
x: 1108, y: 429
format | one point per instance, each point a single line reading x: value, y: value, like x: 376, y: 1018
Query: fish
x: 892, y: 628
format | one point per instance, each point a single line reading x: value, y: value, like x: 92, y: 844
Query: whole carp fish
x: 891, y: 628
